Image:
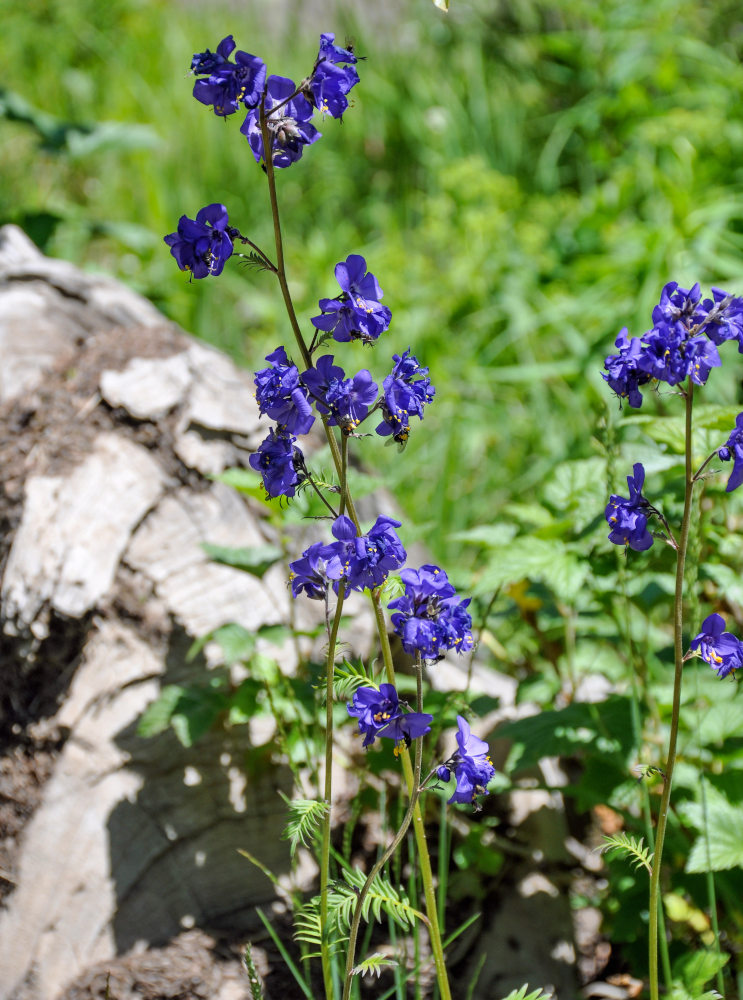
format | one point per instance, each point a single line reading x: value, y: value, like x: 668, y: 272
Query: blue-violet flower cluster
x: 332, y: 78
x: 429, y: 617
x: 357, y: 313
x: 381, y: 714
x: 406, y: 391
x: 471, y: 764
x: 682, y: 343
x: 628, y: 517
x: 721, y: 649
x: 733, y: 448
x: 225, y: 85
x: 203, y: 245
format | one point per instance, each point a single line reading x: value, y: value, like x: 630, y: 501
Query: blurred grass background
x: 522, y: 177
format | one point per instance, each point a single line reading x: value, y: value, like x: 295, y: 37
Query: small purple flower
x: 279, y: 462
x: 721, y: 649
x: 345, y: 400
x: 281, y: 396
x: 381, y: 714
x: 407, y: 389
x: 724, y: 320
x: 289, y: 127
x: 678, y: 307
x: 624, y: 377
x: 625, y: 516
x: 202, y: 246
x: 733, y: 448
x: 471, y: 764
x: 331, y: 79
x: 357, y: 314
x: 320, y: 564
x: 368, y: 559
x: 429, y: 617
x: 228, y: 85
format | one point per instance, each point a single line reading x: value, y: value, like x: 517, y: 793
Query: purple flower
x: 724, y: 320
x: 279, y: 462
x: 202, y: 246
x: 677, y: 307
x: 319, y: 565
x: 381, y: 714
x: 733, y: 448
x: 345, y: 400
x: 368, y: 559
x: 624, y: 377
x: 228, y: 85
x: 281, y: 396
x: 407, y: 389
x: 331, y: 80
x: 289, y: 127
x: 625, y: 516
x: 429, y: 617
x: 471, y: 765
x: 722, y: 650
x: 357, y: 314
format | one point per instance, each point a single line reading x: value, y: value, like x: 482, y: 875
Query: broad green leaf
x: 578, y: 489
x: 722, y: 847
x: 537, y: 559
x: 696, y: 968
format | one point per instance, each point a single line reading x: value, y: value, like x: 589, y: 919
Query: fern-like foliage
x: 348, y: 677
x: 305, y: 815
x: 523, y: 995
x: 627, y: 845
x: 374, y: 964
x: 253, y: 259
x: 382, y: 898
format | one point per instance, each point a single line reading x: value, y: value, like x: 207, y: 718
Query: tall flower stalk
x: 680, y: 350
x: 429, y: 617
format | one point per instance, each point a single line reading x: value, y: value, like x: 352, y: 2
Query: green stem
x: 678, y: 647
x: 396, y: 841
x: 418, y: 825
x: 327, y: 795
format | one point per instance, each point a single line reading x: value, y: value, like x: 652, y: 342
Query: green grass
x: 522, y: 178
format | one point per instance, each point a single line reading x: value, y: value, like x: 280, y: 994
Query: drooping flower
x: 381, y: 714
x: 628, y: 517
x: 721, y: 649
x: 733, y: 448
x: 289, y: 127
x: 280, y: 463
x: 429, y: 617
x: 228, y: 85
x: 407, y: 389
x: 368, y: 559
x: 203, y: 245
x: 320, y: 565
x: 623, y: 375
x: 331, y: 78
x: 281, y: 396
x: 345, y: 400
x: 471, y: 764
x: 357, y: 313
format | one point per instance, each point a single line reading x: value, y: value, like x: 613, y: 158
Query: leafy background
x: 523, y: 178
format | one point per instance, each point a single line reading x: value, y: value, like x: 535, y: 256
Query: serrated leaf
x: 521, y: 994
x: 722, y: 847
x: 255, y: 560
x: 721, y: 721
x: 578, y: 488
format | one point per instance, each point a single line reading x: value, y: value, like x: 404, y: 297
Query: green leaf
x: 156, y: 717
x: 694, y: 969
x: 722, y: 847
x: 255, y: 560
x: 578, y: 489
x: 374, y: 963
x: 638, y: 853
x: 522, y: 995
x: 537, y: 559
x: 603, y: 730
x: 305, y: 816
